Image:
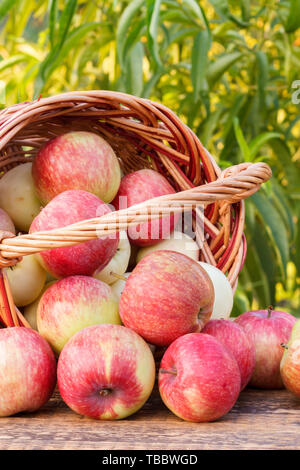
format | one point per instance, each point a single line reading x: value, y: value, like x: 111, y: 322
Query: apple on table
x: 199, y: 379
x: 290, y: 363
x: 106, y: 372
x: 268, y: 329
x: 27, y: 372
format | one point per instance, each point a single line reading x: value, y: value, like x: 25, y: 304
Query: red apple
x: 234, y: 338
x: 290, y: 363
x: 106, y: 372
x: 6, y: 224
x: 71, y: 304
x: 27, y: 372
x: 166, y: 296
x: 65, y: 209
x: 268, y: 329
x: 76, y: 160
x: 199, y: 379
x: 138, y: 187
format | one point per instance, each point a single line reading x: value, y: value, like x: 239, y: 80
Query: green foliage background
x: 227, y: 68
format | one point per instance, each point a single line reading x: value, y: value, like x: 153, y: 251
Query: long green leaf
x: 276, y: 227
x: 65, y: 21
x: 52, y: 21
x: 152, y: 21
x: 293, y: 20
x: 217, y: 69
x: 241, y: 140
x: 5, y: 6
x: 202, y: 44
x: 123, y: 26
x: 260, y: 140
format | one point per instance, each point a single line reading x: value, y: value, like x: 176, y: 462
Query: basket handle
x: 234, y: 184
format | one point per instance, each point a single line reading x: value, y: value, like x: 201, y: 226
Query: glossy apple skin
x: 290, y: 363
x: 166, y: 295
x: 65, y: 209
x: 71, y: 304
x: 27, y: 373
x: 138, y: 187
x: 267, y: 331
x: 199, y: 379
x: 234, y: 338
x: 106, y: 372
x: 76, y: 160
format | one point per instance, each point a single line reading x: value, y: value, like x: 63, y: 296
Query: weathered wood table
x: 259, y: 420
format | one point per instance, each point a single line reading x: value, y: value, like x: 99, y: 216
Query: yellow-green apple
x: 76, y: 160
x: 290, y: 362
x: 223, y: 292
x: 71, y: 304
x: 166, y: 295
x: 235, y: 339
x: 6, y: 224
x: 199, y: 379
x: 65, y: 209
x: 27, y: 372
x: 26, y: 279
x: 106, y: 372
x: 178, y: 241
x: 30, y: 311
x: 118, y: 286
x: 138, y: 187
x: 268, y: 329
x: 118, y: 264
x: 18, y: 197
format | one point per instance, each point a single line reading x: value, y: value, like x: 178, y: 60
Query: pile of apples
x: 102, y: 311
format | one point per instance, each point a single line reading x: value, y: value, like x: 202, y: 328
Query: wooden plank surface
x: 259, y: 420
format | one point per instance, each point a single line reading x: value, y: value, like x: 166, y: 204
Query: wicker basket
x: 144, y: 134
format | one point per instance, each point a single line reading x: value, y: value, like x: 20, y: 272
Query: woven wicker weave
x: 144, y: 134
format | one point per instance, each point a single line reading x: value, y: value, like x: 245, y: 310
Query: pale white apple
x: 178, y: 241
x: 18, y: 197
x: 30, y: 311
x: 223, y: 292
x: 26, y: 280
x: 118, y: 264
x: 118, y: 286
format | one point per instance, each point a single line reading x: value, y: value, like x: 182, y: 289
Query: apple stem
x: 270, y: 309
x: 104, y: 392
x: 284, y: 346
x: 119, y: 276
x: 166, y: 371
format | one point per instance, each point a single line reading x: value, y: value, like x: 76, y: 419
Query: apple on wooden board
x: 167, y: 295
x: 223, y: 291
x: 235, y: 339
x: 30, y: 311
x: 290, y: 362
x: 106, y: 372
x: 6, y: 224
x: 118, y: 264
x: 268, y: 329
x: 138, y: 187
x: 26, y: 280
x: 178, y: 241
x: 18, y: 197
x: 27, y: 372
x: 70, y: 305
x: 199, y: 379
x: 65, y: 209
x: 76, y: 160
